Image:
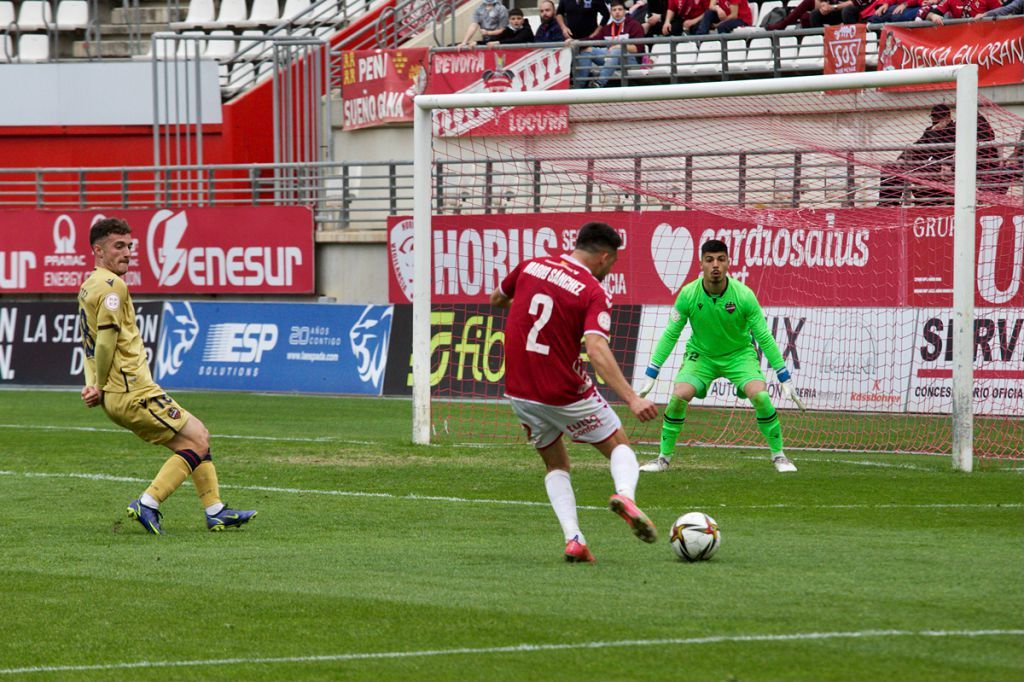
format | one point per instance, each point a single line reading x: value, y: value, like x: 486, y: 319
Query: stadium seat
x: 35, y: 15
x: 811, y: 55
x: 200, y: 13
x: 33, y: 47
x: 242, y: 76
x: 789, y: 48
x: 709, y: 58
x: 871, y: 50
x: 7, y: 53
x: 249, y: 50
x: 221, y: 50
x: 765, y: 8
x: 72, y: 15
x: 6, y: 14
x: 735, y: 54
x: 661, y: 60
x: 187, y: 48
x: 232, y: 13
x: 759, y: 56
x: 686, y: 57
x: 264, y: 13
x: 294, y: 7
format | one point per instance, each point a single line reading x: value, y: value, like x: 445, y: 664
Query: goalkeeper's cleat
x: 660, y: 463
x: 147, y: 516
x: 577, y: 553
x: 637, y: 520
x: 228, y: 518
x: 783, y: 464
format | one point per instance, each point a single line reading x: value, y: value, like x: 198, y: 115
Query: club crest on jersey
x: 174, y: 413
x: 730, y: 307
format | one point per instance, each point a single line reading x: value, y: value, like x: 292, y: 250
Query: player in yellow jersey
x: 118, y: 379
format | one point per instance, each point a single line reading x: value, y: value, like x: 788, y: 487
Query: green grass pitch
x: 372, y: 559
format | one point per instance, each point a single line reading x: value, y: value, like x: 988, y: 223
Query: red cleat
x: 575, y: 552
x: 637, y: 520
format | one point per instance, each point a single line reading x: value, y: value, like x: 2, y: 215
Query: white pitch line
x: 283, y: 439
x: 515, y: 649
x: 415, y: 497
x: 853, y: 462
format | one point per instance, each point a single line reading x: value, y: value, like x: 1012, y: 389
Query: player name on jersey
x: 555, y: 275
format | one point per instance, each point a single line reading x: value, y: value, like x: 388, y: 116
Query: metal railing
x: 348, y: 195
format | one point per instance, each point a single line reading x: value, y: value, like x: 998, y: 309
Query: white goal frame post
x: 965, y: 181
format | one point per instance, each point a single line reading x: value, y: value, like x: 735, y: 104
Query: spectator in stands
x: 490, y: 18
x: 621, y: 27
x: 578, y: 18
x: 801, y: 13
x: 518, y: 30
x: 937, y: 13
x: 683, y: 15
x: 725, y: 16
x: 885, y: 12
x: 651, y: 15
x: 549, y: 30
x: 832, y: 12
x: 989, y: 165
x: 1012, y: 7
x: 929, y: 164
x: 1013, y: 166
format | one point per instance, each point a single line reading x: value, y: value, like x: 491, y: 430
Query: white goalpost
x: 964, y: 206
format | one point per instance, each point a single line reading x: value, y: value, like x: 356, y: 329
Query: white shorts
x: 590, y: 420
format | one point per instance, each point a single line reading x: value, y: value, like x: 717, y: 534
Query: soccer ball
x: 695, y: 536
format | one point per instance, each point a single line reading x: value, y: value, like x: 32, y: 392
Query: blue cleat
x: 228, y: 518
x: 147, y: 516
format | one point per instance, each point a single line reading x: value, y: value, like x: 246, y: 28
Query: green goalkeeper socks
x: 767, y: 421
x: 671, y: 425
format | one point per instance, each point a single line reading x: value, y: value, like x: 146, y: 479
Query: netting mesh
x: 837, y: 210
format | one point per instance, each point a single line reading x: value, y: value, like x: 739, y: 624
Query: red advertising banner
x: 844, y: 50
x: 856, y: 258
x: 246, y: 250
x: 500, y: 71
x: 378, y: 86
x: 997, y: 47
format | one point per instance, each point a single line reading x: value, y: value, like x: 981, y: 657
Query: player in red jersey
x: 555, y: 301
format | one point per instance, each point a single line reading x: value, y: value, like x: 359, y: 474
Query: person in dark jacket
x: 518, y: 30
x: 549, y: 31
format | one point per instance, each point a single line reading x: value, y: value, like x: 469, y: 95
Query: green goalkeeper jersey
x: 721, y: 324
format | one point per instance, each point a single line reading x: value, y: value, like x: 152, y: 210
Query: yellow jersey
x: 104, y: 303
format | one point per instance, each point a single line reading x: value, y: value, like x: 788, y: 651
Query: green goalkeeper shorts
x: 740, y: 367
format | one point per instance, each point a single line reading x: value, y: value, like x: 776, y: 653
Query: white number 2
x: 542, y: 306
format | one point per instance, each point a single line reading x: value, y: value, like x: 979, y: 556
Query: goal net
x: 838, y: 209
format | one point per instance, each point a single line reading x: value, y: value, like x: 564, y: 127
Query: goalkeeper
x: 723, y: 315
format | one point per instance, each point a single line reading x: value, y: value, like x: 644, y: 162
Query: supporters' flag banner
x: 238, y: 250
x: 378, y: 86
x: 305, y: 347
x: 997, y: 47
x: 829, y: 265
x: 844, y: 50
x: 500, y: 71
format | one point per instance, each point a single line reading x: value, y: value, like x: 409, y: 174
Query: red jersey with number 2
x: 555, y: 301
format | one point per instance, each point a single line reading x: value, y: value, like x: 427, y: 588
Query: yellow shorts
x: 149, y: 413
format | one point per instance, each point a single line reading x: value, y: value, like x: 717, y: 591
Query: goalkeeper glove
x: 786, y: 384
x: 651, y: 375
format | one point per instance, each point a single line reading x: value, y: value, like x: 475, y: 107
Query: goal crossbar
x: 965, y: 76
